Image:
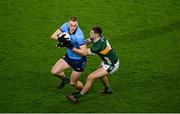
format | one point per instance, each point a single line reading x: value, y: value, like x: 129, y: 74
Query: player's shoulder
x: 64, y: 24
x: 79, y: 33
x: 101, y: 41
x: 64, y: 27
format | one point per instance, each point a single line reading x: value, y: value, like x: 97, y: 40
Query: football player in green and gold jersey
x: 110, y: 63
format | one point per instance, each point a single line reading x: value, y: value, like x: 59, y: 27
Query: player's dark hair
x: 73, y: 18
x: 97, y: 30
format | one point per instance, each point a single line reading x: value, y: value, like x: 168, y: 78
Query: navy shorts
x: 76, y: 64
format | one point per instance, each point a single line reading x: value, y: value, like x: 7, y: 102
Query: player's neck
x: 96, y: 39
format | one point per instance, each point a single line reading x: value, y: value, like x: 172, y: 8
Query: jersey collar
x: 73, y: 32
x: 97, y: 39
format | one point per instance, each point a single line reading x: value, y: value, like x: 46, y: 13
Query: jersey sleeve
x: 63, y: 27
x: 97, y: 48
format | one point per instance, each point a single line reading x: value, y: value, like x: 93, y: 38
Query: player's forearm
x: 89, y: 52
x: 54, y: 37
x: 83, y: 52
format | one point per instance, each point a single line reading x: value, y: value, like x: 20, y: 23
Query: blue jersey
x: 77, y: 39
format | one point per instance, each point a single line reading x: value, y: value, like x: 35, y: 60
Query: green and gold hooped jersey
x: 104, y: 50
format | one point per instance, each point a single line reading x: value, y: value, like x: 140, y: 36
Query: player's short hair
x: 97, y: 30
x: 73, y: 18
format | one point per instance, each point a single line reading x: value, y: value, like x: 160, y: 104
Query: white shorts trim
x: 109, y: 68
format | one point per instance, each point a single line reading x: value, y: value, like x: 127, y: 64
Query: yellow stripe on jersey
x: 105, y: 51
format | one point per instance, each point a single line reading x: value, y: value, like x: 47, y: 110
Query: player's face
x: 93, y: 35
x: 72, y: 26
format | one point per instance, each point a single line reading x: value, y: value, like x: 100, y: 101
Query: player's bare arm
x: 82, y: 51
x: 89, y: 52
x: 55, y: 35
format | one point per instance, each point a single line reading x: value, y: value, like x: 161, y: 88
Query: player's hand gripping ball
x: 64, y: 40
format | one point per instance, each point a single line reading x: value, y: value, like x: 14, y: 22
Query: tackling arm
x: 90, y: 52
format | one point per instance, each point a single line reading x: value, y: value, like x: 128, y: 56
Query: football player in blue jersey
x: 74, y: 58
